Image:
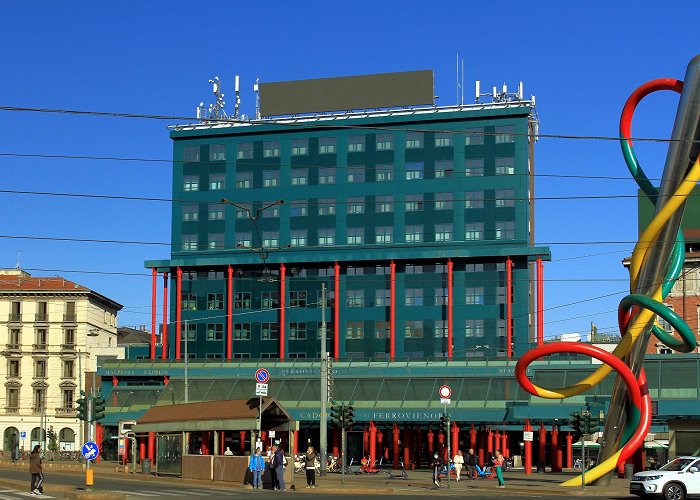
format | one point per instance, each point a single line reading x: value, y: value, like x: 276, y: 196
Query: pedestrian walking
x: 37, y: 471
x: 277, y: 466
x: 458, y: 460
x: 257, y: 466
x: 310, y: 462
x: 470, y: 462
x: 498, y: 465
x: 436, y: 464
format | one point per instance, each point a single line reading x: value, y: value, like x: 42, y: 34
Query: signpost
x: 90, y: 451
x: 445, y: 393
x: 262, y: 377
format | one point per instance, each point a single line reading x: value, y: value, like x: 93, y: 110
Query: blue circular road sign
x: 90, y: 450
x: 262, y: 376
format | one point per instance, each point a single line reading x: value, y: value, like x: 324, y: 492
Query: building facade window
x: 443, y: 169
x: 382, y: 297
x: 414, y: 234
x: 356, y: 143
x: 298, y: 238
x: 413, y: 329
x: 217, y: 182
x: 326, y: 145
x: 474, y: 328
x: 190, y: 183
x: 385, y: 142
x: 298, y: 298
x: 384, y: 234
x: 270, y: 239
x: 414, y: 202
x: 504, y: 134
x: 355, y: 298
x: 414, y: 297
x: 474, y: 295
x: 443, y: 139
x: 326, y: 237
x: 216, y: 211
x: 216, y: 241
x: 189, y: 242
x: 326, y: 175
x: 241, y: 300
x: 355, y: 330
x: 299, y: 209
x: 244, y: 180
x: 356, y: 205
x: 13, y: 368
x: 190, y: 153
x: 443, y: 232
x: 505, y: 198
x: 415, y: 171
x: 505, y: 230
x: 443, y: 201
x: 271, y: 178
x: 269, y: 300
x: 297, y: 331
x: 356, y: 174
x: 441, y: 297
x: 271, y: 149
x: 269, y: 331
x: 272, y: 211
x: 356, y: 235
x: 505, y: 165
x: 300, y: 176
x: 326, y: 206
x: 215, y: 331
x: 244, y: 151
x: 382, y: 329
x: 189, y: 302
x: 300, y: 147
x: 414, y: 140
x: 190, y: 213
x: 241, y: 331
x: 474, y: 231
x: 474, y: 137
x: 244, y: 239
x: 215, y: 301
x: 384, y: 173
x: 217, y: 152
x: 474, y: 167
x: 474, y: 199
x: 384, y: 204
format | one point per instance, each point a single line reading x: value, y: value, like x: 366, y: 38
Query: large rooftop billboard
x: 383, y: 90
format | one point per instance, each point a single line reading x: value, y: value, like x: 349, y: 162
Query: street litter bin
x: 629, y: 471
x: 146, y: 466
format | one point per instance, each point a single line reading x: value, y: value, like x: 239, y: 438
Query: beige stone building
x: 53, y: 333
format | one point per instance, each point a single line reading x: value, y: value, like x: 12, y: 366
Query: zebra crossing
x: 15, y: 495
x: 8, y: 494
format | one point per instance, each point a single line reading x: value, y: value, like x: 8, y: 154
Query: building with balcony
x: 54, y: 334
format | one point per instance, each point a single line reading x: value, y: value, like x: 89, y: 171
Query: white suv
x: 675, y: 480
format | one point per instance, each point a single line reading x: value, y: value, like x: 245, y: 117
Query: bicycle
x: 488, y: 472
x: 443, y: 472
x: 333, y: 464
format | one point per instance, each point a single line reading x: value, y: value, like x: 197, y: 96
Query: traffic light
x: 349, y: 416
x: 445, y: 423
x: 98, y: 408
x: 81, y: 404
x: 576, y: 423
x: 590, y: 424
x: 337, y: 414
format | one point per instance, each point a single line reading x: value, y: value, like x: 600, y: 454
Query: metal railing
x: 41, y: 318
x: 70, y: 318
x: 15, y: 317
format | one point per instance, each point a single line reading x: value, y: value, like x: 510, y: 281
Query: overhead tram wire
x: 289, y: 122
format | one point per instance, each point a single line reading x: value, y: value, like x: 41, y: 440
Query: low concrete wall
x: 231, y: 469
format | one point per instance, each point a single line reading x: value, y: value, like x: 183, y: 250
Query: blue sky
x: 580, y: 59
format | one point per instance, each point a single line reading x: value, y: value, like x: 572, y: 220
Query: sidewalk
x: 418, y: 482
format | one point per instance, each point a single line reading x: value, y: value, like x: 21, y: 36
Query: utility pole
x: 187, y: 360
x: 323, y: 424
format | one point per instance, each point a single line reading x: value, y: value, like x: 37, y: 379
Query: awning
x: 589, y: 444
x: 239, y: 414
x: 654, y: 444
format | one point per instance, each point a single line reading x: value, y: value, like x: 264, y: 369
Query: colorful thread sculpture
x: 635, y: 311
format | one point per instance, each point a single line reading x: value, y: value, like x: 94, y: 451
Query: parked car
x: 674, y: 481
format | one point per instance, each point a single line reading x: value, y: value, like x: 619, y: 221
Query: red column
x: 164, y: 333
x: 406, y: 448
x: 125, y: 458
x: 229, y: 316
x: 365, y: 440
x: 178, y: 313
x: 497, y: 441
x: 380, y: 444
x: 431, y: 436
x: 283, y: 305
x: 336, y: 311
x: 418, y: 445
x: 151, y: 446
x: 154, y: 276
x: 441, y: 443
x: 450, y: 302
x: 555, y: 451
x: 569, y: 451
x: 392, y: 315
x: 540, y: 302
x: 472, y: 438
x: 481, y: 452
x: 115, y: 382
x: 504, y: 444
x: 99, y: 437
x: 489, y: 442
x: 527, y: 460
x: 455, y: 439
x: 372, y: 443
x: 543, y: 448
x: 336, y: 441
x: 142, y: 448
x: 396, y: 446
x: 241, y: 447
x: 222, y: 441
x: 509, y: 307
x: 296, y: 443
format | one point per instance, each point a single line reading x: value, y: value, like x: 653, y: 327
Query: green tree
x: 53, y: 440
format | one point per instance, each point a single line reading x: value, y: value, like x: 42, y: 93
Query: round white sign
x: 445, y: 391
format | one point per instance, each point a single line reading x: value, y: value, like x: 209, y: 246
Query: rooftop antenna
x: 237, y: 89
x: 18, y: 256
x: 503, y: 95
x: 256, y: 89
x: 201, y: 111
x: 216, y: 110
